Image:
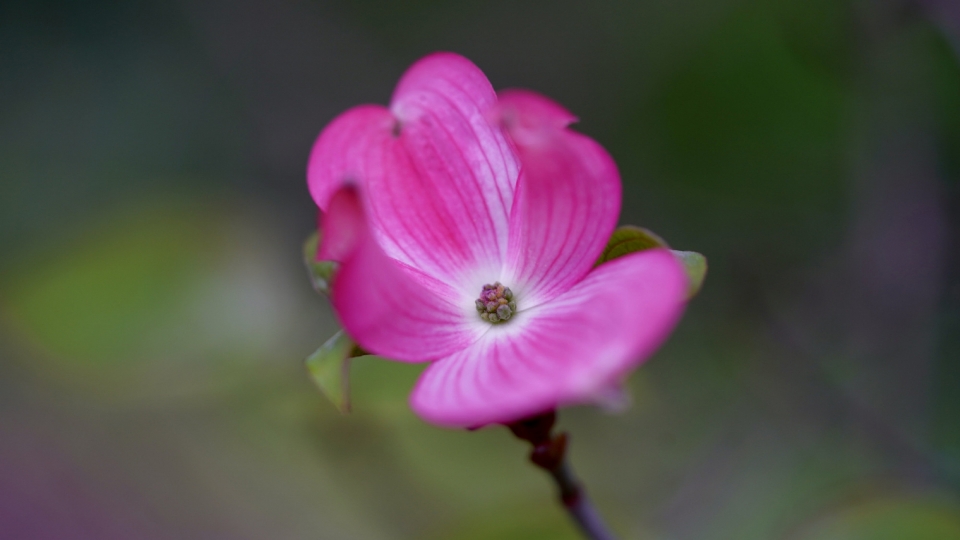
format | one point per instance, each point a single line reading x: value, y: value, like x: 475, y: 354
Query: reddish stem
x: 549, y: 453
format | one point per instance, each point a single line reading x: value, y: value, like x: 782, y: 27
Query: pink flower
x: 467, y: 225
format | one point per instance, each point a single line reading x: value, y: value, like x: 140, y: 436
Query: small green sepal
x: 695, y: 266
x: 630, y: 239
x: 329, y: 368
x: 320, y: 271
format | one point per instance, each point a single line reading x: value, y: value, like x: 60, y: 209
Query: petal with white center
x: 387, y: 308
x: 567, y: 350
x: 567, y: 201
x: 438, y: 177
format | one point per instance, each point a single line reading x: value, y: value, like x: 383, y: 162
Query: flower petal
x: 564, y: 351
x: 340, y: 154
x: 468, y: 170
x: 438, y: 177
x: 360, y: 148
x: 567, y: 201
x: 388, y: 308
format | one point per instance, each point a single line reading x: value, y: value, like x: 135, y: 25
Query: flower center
x: 496, y: 303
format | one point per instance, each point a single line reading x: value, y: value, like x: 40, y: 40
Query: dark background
x: 154, y: 313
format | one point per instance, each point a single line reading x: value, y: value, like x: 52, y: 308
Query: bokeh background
x: 154, y: 312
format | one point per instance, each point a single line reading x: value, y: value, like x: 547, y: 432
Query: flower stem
x: 578, y: 505
x: 549, y: 453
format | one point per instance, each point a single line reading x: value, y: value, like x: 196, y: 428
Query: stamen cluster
x: 496, y: 303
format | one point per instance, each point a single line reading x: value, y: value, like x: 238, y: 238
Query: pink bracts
x: 454, y: 188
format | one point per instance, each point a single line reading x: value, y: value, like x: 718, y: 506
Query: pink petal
x: 564, y: 351
x: 567, y: 201
x: 438, y: 177
x: 388, y: 308
x: 340, y: 153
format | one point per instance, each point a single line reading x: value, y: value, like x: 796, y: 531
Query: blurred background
x: 155, y: 314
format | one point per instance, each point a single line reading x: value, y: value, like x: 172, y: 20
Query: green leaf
x: 329, y: 368
x: 630, y: 239
x: 695, y: 265
x: 320, y: 271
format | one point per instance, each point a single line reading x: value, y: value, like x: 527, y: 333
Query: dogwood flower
x: 467, y: 225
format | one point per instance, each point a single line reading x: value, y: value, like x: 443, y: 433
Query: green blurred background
x: 154, y: 312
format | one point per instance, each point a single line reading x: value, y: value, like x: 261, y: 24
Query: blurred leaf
x: 92, y: 301
x: 738, y: 111
x: 329, y: 367
x: 320, y: 271
x: 695, y: 265
x: 630, y: 239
